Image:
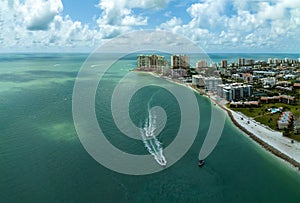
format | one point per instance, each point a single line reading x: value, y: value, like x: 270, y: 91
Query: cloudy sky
x: 215, y: 25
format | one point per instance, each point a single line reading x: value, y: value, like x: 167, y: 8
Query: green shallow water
x: 42, y: 159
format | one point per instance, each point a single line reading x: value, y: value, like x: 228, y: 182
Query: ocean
x: 43, y: 160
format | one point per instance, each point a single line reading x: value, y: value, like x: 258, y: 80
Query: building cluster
x: 244, y: 83
x: 234, y: 91
x: 179, y: 66
x: 151, y: 62
x: 274, y: 77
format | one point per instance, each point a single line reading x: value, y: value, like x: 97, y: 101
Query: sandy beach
x: 268, y: 138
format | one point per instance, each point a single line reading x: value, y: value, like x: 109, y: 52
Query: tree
x: 286, y: 132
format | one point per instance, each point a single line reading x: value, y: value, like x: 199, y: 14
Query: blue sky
x: 215, y: 25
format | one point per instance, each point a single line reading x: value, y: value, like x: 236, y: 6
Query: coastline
x: 270, y: 140
x: 276, y: 144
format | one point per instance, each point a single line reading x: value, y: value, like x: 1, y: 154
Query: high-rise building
x: 234, y: 92
x: 250, y: 62
x: 180, y: 61
x: 270, y: 60
x: 151, y: 61
x: 201, y: 64
x: 241, y: 61
x: 210, y: 83
x: 143, y: 61
x: 224, y: 63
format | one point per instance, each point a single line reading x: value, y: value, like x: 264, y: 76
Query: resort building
x: 297, y: 85
x: 151, y: 62
x: 235, y: 91
x: 209, y: 83
x: 179, y: 72
x: 143, y: 61
x: 242, y: 62
x: 201, y: 65
x: 224, y: 63
x: 278, y: 99
x: 285, y: 120
x: 244, y: 104
x: 180, y: 61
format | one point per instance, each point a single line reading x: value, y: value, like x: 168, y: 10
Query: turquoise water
x: 42, y: 159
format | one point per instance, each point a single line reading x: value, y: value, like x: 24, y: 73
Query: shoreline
x: 270, y: 140
x: 263, y: 143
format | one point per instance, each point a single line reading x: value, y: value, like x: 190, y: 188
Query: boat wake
x: 152, y: 144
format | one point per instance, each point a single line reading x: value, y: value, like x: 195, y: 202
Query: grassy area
x: 265, y: 117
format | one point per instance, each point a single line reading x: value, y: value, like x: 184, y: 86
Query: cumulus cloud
x: 38, y: 14
x: 38, y: 25
x: 118, y: 15
x: 217, y: 25
x: 221, y: 24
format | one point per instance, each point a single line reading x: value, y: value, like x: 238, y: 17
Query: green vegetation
x: 265, y: 117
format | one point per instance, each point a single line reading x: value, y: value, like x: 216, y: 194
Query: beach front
x: 273, y: 141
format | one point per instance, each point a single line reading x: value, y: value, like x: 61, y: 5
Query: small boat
x: 201, y: 163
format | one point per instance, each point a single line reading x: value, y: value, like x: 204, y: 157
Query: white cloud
x: 217, y: 25
x: 38, y: 14
x: 118, y: 15
x: 172, y: 23
x: 38, y: 26
x: 225, y: 25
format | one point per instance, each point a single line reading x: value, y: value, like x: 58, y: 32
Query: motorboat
x: 201, y: 163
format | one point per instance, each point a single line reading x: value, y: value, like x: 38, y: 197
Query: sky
x: 221, y: 26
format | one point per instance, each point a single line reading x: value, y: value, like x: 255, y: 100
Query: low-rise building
x: 297, y: 126
x: 283, y: 83
x: 285, y: 120
x: 264, y: 73
x: 270, y: 81
x: 247, y: 104
x: 278, y: 99
x: 297, y: 85
x: 248, y: 78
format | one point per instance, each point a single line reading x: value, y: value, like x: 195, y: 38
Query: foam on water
x: 151, y: 142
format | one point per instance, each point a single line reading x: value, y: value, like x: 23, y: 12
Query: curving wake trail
x: 152, y: 144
